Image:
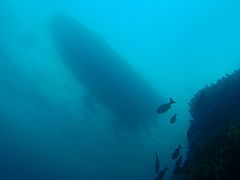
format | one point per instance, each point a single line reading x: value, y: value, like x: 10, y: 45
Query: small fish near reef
x: 173, y: 119
x: 176, y: 152
x: 157, y: 164
x: 165, y: 107
x: 161, y: 174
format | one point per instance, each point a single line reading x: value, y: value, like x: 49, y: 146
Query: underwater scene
x: 119, y: 90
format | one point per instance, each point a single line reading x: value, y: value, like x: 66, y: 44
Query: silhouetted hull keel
x: 103, y: 72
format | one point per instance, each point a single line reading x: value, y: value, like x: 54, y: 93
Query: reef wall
x: 214, y: 133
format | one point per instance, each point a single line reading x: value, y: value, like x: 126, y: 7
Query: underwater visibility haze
x: 123, y: 90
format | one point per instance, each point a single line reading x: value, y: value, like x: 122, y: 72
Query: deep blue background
x: 49, y: 129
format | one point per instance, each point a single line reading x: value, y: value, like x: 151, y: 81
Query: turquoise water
x: 50, y: 126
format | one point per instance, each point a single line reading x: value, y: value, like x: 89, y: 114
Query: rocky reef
x: 214, y: 133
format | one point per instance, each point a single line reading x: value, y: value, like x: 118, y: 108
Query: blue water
x: 49, y: 129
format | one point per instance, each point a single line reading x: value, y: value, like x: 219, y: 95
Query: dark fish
x: 161, y: 174
x: 173, y: 119
x: 165, y: 107
x: 176, y: 152
x: 178, y: 162
x: 157, y: 164
x: 178, y: 170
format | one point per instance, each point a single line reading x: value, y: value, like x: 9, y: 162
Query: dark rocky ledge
x: 214, y: 132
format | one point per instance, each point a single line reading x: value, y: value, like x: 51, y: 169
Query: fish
x: 176, y: 152
x: 173, y: 119
x: 157, y: 164
x: 161, y: 174
x: 165, y: 107
x: 178, y: 162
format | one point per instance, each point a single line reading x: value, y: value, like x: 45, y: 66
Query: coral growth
x: 214, y: 134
